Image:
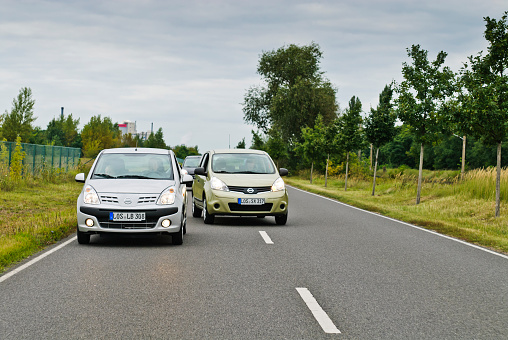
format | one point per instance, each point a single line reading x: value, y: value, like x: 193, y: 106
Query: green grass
x: 463, y: 209
x: 35, y: 213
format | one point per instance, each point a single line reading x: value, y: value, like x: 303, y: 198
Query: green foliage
x: 295, y: 92
x: 423, y: 93
x: 258, y: 141
x: 16, y: 169
x: 350, y: 135
x: 241, y: 144
x: 182, y: 151
x: 19, y: 121
x: 380, y: 124
x: 64, y: 132
x: 484, y: 81
x: 99, y: 134
x: 156, y: 140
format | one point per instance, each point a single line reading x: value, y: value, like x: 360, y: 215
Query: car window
x: 191, y: 162
x: 242, y: 163
x: 133, y: 166
x: 204, y: 161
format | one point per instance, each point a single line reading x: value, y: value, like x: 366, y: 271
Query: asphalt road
x: 247, y: 278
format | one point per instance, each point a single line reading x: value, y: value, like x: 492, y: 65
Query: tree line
x: 98, y: 134
x: 298, y: 118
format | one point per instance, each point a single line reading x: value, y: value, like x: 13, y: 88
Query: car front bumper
x: 100, y: 215
x: 226, y: 203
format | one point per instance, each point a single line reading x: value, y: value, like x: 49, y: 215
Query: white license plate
x: 251, y: 201
x: 126, y: 216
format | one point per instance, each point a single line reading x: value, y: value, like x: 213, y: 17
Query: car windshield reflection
x: 242, y: 163
x: 133, y: 166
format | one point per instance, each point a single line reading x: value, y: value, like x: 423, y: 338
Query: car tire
x: 281, y: 219
x: 177, y: 238
x: 207, y: 217
x: 83, y: 238
x: 196, y: 212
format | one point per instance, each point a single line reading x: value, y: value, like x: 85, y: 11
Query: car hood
x: 144, y: 186
x: 248, y: 180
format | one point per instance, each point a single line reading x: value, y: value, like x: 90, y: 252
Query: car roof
x: 238, y: 151
x: 138, y: 150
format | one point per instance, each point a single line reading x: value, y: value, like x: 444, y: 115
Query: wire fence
x: 40, y: 157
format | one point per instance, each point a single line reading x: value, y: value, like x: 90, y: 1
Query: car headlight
x: 278, y: 185
x: 217, y: 184
x: 167, y: 196
x: 90, y: 195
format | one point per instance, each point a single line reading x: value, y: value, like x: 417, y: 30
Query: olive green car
x: 239, y: 182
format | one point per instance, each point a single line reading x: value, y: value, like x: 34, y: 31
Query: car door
x: 199, y: 180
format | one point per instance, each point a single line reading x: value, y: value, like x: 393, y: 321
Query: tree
x: 380, y: 125
x: 63, y: 131
x: 241, y: 144
x: 19, y: 121
x: 311, y: 146
x: 156, y: 140
x: 99, y: 134
x: 258, y: 141
x: 350, y: 137
x: 485, y: 95
x: 295, y: 93
x: 421, y: 98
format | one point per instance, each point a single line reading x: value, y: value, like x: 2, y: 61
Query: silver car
x: 133, y: 191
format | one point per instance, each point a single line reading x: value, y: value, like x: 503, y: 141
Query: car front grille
x: 256, y: 190
x: 109, y: 199
x: 147, y: 199
x: 130, y: 225
x: 267, y: 207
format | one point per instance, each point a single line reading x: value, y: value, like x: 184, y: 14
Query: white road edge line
x: 408, y: 224
x: 38, y: 258
x: 265, y: 237
x: 324, y: 321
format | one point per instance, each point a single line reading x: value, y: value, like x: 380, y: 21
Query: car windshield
x: 133, y: 166
x: 242, y: 163
x: 191, y: 162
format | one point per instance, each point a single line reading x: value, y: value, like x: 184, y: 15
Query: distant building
x: 128, y: 127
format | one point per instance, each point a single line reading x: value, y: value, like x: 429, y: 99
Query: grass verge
x: 447, y: 208
x: 34, y: 215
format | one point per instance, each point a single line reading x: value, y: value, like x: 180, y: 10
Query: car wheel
x: 281, y: 219
x: 177, y: 238
x: 196, y: 212
x: 83, y: 238
x: 184, y: 219
x: 207, y: 217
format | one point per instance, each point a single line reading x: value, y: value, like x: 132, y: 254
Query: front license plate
x: 251, y: 201
x: 126, y: 216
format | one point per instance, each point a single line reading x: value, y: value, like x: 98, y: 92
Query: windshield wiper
x: 249, y: 172
x: 136, y: 177
x: 222, y: 172
x: 104, y: 175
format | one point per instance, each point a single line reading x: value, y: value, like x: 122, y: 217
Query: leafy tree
x: 350, y: 137
x: 258, y: 141
x: 294, y: 95
x: 99, y: 134
x: 182, y: 151
x: 16, y: 170
x: 276, y: 147
x: 241, y: 144
x: 63, y: 131
x: 19, y: 121
x: 311, y: 147
x: 156, y: 140
x: 380, y: 125
x: 421, y: 98
x: 485, y: 99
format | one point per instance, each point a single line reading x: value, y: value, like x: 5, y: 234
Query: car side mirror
x: 200, y: 171
x: 187, y: 179
x: 80, y: 178
x: 283, y: 172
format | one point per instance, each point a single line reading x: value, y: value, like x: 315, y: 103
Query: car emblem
x: 127, y: 200
x: 250, y: 191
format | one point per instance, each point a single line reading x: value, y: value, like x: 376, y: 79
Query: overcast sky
x: 185, y: 66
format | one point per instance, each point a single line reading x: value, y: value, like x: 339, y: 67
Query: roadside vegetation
x: 460, y: 208
x: 36, y: 209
